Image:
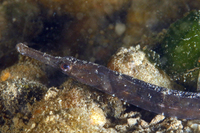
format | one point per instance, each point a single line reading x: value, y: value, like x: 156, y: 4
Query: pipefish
x: 168, y: 102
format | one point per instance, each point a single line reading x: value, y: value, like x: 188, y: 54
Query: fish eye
x: 65, y: 67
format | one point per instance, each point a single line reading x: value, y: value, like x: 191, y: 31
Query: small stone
x: 132, y: 121
x: 157, y: 119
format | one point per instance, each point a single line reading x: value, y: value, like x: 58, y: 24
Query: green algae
x: 181, y: 45
x: 180, y: 49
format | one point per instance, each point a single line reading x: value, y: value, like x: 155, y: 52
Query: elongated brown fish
x: 147, y: 96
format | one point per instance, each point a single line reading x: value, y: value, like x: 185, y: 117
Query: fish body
x: 147, y: 96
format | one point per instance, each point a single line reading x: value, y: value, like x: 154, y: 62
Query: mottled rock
x: 17, y: 99
x: 133, y: 62
x: 26, y: 68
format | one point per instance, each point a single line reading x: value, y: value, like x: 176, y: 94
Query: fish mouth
x: 53, y: 61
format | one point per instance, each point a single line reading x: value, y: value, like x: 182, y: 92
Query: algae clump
x: 181, y: 45
x: 180, y: 50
